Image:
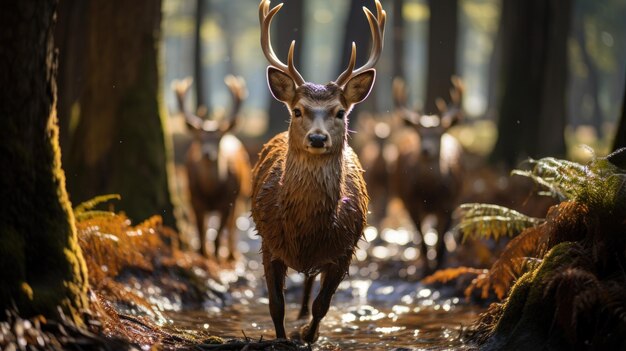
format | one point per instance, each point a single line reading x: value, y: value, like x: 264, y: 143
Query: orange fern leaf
x: 448, y: 274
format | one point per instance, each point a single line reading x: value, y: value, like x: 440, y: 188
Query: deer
x: 218, y: 167
x: 428, y: 172
x: 375, y: 153
x: 309, y: 200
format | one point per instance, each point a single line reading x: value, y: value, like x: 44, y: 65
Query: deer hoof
x: 308, y: 335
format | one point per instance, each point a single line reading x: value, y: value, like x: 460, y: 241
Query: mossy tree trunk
x: 532, y: 111
x: 41, y: 264
x: 442, y: 51
x: 119, y: 144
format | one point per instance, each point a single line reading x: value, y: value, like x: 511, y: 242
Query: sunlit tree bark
x: 119, y: 144
x: 41, y: 265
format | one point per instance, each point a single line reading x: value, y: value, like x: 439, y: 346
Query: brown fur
x: 218, y: 172
x: 309, y: 206
x: 428, y: 173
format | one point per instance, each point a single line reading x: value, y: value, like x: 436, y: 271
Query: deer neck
x: 312, y: 183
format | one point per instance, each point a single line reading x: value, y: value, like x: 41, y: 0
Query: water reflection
x: 379, y: 306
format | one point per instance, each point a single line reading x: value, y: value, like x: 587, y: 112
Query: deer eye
x: 340, y: 114
x: 297, y: 112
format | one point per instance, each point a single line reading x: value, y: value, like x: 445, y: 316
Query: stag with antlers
x: 309, y: 200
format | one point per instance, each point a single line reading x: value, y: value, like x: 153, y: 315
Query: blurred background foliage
x: 229, y: 44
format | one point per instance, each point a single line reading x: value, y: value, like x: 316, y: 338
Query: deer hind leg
x: 226, y: 223
x: 233, y: 237
x: 306, y: 296
x: 332, y: 275
x: 275, y: 272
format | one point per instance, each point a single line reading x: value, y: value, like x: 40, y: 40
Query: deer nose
x: 317, y: 140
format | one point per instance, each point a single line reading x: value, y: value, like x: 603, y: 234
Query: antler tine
x: 265, y: 19
x: 377, y: 28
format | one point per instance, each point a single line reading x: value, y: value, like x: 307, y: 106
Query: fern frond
x: 492, y: 221
x: 519, y: 256
x: 448, y: 274
x: 90, y: 204
x: 600, y: 184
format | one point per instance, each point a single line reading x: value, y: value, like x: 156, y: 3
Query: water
x: 346, y: 326
x: 377, y: 307
x: 376, y: 315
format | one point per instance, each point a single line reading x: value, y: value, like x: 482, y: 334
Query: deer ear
x: 281, y: 85
x: 359, y: 86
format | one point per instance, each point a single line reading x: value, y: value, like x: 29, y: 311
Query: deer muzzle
x: 317, y: 140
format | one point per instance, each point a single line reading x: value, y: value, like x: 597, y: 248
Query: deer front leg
x: 306, y: 296
x: 201, y: 231
x: 332, y: 275
x: 275, y: 272
x: 443, y: 224
x: 423, y: 247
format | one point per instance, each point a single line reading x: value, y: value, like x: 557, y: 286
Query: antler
x: 453, y: 111
x: 181, y: 87
x: 265, y: 19
x: 377, y: 27
x: 399, y: 93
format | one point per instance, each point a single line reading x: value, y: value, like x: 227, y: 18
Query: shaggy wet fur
x: 310, y: 211
x: 309, y: 200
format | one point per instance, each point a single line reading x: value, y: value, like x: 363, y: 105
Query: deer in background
x: 428, y: 174
x: 375, y: 149
x: 309, y: 200
x: 218, y: 167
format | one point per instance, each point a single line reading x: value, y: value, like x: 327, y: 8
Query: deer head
x: 319, y: 112
x: 430, y: 128
x: 209, y: 132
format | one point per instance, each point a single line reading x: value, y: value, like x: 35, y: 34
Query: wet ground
x: 379, y: 306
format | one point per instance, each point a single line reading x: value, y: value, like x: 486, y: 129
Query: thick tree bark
x: 41, y: 265
x: 442, y: 49
x: 119, y: 144
x: 534, y: 75
x: 288, y: 26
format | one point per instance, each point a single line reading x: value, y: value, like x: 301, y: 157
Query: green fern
x: 85, y: 210
x: 600, y: 184
x: 492, y: 221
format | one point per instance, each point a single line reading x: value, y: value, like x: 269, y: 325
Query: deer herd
x: 308, y: 191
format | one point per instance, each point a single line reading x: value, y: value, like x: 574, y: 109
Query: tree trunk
x: 41, y: 265
x: 119, y: 145
x: 442, y: 39
x: 288, y: 26
x: 201, y: 97
x: 534, y: 75
x: 357, y: 30
x: 71, y: 40
x: 620, y: 134
x: 592, y: 75
x: 398, y: 39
